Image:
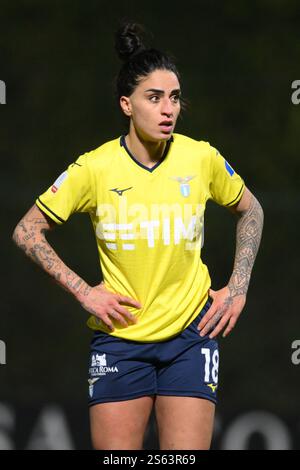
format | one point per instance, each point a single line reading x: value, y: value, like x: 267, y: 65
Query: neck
x: 146, y: 152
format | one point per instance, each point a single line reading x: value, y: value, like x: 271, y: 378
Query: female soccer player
x: 155, y: 317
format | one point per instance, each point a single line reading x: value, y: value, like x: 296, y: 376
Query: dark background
x: 237, y: 60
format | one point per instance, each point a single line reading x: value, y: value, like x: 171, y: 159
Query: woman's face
x: 154, y: 105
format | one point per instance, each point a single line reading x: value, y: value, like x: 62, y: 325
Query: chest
x: 164, y: 207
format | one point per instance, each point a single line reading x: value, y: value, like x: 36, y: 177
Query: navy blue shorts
x: 186, y: 365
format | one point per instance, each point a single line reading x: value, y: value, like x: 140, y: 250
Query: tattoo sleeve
x: 248, y: 237
x: 29, y: 235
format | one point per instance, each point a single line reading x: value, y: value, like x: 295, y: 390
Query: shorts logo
x: 99, y: 360
x: 99, y: 366
x: 91, y: 386
x: 213, y: 387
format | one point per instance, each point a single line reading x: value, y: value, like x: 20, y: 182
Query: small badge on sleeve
x: 58, y: 182
x: 229, y: 168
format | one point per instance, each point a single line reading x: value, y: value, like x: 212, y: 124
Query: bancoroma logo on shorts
x: 99, y: 368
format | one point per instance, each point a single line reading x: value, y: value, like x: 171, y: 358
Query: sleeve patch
x: 58, y: 182
x: 229, y: 168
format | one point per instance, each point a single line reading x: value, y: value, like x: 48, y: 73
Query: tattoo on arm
x: 29, y: 236
x: 248, y: 237
x: 219, y: 314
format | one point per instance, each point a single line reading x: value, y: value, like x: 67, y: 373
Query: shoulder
x: 198, y: 147
x: 102, y: 155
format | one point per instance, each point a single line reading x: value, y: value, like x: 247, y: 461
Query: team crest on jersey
x: 185, y: 189
x: 57, y: 183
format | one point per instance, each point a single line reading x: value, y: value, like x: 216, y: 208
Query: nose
x: 167, y: 109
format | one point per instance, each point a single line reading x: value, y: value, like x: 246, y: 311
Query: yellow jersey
x: 149, y: 226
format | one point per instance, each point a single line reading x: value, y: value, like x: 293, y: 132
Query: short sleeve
x: 226, y: 186
x: 71, y: 192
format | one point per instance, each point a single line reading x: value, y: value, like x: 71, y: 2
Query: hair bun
x: 128, y: 40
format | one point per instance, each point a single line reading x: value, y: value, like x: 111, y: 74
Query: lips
x: 166, y: 126
x: 166, y: 123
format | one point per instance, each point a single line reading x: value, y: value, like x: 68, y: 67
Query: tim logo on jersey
x: 122, y: 226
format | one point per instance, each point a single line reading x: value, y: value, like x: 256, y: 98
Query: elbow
x: 16, y: 236
x: 21, y: 236
x: 260, y: 209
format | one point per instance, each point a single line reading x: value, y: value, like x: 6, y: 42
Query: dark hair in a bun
x: 138, y: 60
x: 128, y: 40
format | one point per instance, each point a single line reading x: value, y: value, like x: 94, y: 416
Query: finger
x: 118, y: 317
x: 125, y: 312
x: 219, y: 327
x: 128, y: 300
x: 212, y: 323
x: 230, y: 326
x: 107, y: 322
x: 209, y: 314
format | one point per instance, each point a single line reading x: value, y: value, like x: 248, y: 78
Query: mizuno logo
x: 213, y: 387
x: 120, y: 191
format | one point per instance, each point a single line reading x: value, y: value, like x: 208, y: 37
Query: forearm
x: 30, y: 237
x: 248, y: 237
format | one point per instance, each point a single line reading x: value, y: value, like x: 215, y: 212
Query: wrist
x: 238, y: 285
x: 81, y: 291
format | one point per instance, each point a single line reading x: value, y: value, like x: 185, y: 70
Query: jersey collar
x: 166, y: 151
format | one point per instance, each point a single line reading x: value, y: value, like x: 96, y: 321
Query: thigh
x: 189, y: 364
x: 120, y: 425
x: 119, y: 370
x: 190, y: 368
x: 184, y: 422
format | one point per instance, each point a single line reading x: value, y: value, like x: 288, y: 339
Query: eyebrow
x: 161, y: 92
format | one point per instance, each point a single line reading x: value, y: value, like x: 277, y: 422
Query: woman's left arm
x: 229, y: 302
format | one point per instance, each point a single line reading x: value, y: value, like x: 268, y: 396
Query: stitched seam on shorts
x: 181, y: 393
x: 114, y: 397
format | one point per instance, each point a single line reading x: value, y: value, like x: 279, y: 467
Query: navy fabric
x: 186, y: 365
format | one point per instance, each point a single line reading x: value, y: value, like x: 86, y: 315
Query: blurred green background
x: 237, y: 61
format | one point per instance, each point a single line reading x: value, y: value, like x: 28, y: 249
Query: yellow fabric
x: 149, y: 235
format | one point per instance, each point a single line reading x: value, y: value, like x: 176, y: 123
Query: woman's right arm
x: 30, y: 236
